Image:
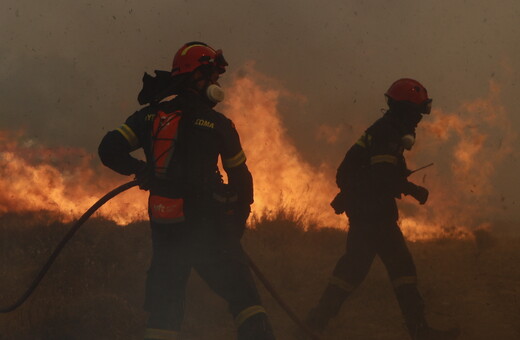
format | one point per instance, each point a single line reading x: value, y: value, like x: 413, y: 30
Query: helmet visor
x: 220, y: 62
x: 427, y: 106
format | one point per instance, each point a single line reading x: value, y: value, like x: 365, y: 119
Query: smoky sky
x: 71, y: 71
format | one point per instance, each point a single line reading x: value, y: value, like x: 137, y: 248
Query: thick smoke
x: 71, y: 70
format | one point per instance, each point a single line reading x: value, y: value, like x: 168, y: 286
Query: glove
x: 420, y: 194
x: 144, y: 176
x: 237, y: 219
x: 244, y: 210
x: 338, y: 203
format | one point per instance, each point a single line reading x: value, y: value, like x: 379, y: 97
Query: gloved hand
x: 239, y: 219
x: 420, y: 194
x: 144, y: 176
x: 338, y: 203
x: 244, y: 210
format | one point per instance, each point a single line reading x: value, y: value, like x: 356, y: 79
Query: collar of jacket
x: 403, y: 122
x: 195, y: 98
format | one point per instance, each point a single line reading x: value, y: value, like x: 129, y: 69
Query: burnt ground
x: 95, y: 288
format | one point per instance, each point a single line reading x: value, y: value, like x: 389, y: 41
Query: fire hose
x: 63, y: 242
x: 34, y: 284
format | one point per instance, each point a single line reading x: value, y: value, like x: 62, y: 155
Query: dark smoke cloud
x: 70, y: 71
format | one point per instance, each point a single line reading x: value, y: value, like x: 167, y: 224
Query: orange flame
x: 61, y: 180
x: 466, y: 147
x: 283, y: 180
x: 458, y: 143
x: 68, y: 180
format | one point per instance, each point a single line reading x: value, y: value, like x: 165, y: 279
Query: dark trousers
x: 369, y: 235
x: 216, y: 256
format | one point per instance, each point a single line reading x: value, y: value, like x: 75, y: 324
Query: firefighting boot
x: 160, y: 334
x: 253, y: 324
x: 412, y: 308
x: 327, y: 308
x: 427, y: 333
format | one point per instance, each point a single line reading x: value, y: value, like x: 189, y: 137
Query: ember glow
x: 67, y: 181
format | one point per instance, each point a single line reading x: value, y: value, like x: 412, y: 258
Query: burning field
x: 467, y: 146
x: 467, y: 257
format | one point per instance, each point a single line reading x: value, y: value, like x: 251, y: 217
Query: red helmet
x: 409, y: 90
x: 195, y: 54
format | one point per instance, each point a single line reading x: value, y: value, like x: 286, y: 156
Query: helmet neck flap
x: 191, y: 57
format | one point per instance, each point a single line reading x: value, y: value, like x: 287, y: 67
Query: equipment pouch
x: 165, y: 210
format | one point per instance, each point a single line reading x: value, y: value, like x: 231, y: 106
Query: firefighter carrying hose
x: 196, y: 220
x: 372, y: 175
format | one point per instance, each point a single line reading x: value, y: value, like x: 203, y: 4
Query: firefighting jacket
x: 374, y: 167
x: 182, y: 140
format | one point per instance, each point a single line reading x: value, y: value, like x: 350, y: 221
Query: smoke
x: 71, y: 70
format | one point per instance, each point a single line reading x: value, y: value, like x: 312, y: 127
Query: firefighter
x: 371, y: 176
x: 196, y: 220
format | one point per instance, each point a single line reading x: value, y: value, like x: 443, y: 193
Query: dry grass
x: 95, y: 288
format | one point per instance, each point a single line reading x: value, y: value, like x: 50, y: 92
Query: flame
x: 62, y: 180
x: 466, y: 146
x: 463, y: 145
x: 458, y: 142
x: 283, y: 181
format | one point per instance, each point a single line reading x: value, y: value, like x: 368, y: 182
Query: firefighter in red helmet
x: 196, y: 219
x: 372, y: 175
